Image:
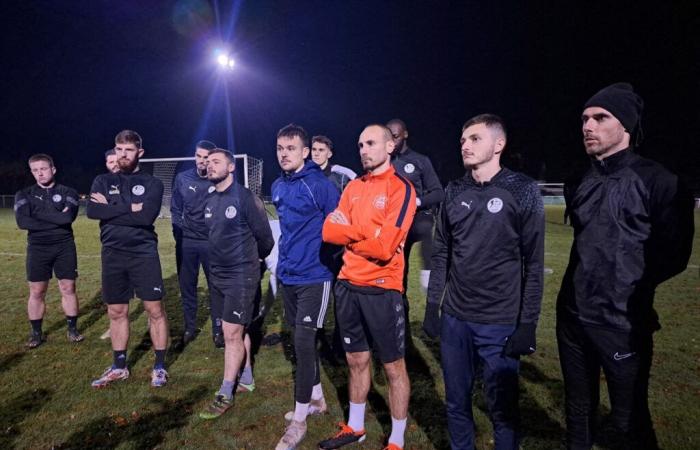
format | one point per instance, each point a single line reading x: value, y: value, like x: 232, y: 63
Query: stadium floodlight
x: 225, y: 61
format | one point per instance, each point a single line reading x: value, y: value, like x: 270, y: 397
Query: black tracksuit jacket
x: 417, y: 169
x: 239, y: 232
x: 120, y: 228
x: 633, y: 229
x: 41, y: 211
x: 489, y: 250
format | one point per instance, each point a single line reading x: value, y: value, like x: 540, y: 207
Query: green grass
x: 46, y: 400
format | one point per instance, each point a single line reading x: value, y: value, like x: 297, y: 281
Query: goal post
x: 165, y: 170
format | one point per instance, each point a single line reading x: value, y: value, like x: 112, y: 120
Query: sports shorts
x: 125, y: 275
x: 371, y: 316
x: 60, y: 258
x: 306, y: 304
x: 239, y: 294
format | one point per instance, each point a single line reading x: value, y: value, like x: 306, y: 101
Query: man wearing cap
x: 633, y: 229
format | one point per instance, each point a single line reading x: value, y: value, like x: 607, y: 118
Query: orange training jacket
x: 380, y: 209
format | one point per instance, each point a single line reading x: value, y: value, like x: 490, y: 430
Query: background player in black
x: 239, y: 239
x: 419, y: 171
x: 487, y: 278
x: 633, y: 229
x: 321, y: 154
x: 190, y: 190
x: 127, y: 203
x: 46, y: 210
x: 111, y: 161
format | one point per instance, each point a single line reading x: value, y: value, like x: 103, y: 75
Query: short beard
x: 218, y: 179
x: 130, y: 167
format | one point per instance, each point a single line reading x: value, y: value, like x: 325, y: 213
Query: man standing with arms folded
x: 303, y: 197
x: 126, y: 204
x: 372, y: 221
x: 239, y: 239
x: 487, y: 279
x: 633, y: 230
x: 418, y: 170
x: 111, y: 161
x: 47, y: 210
x: 190, y: 190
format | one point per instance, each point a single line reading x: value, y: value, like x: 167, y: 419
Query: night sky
x: 74, y: 73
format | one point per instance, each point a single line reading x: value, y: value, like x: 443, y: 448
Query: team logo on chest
x: 379, y: 201
x: 211, y: 189
x: 409, y: 168
x: 138, y: 190
x: 494, y: 205
x: 56, y: 198
x: 230, y: 212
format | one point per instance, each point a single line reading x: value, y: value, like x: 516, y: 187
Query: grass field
x: 46, y: 400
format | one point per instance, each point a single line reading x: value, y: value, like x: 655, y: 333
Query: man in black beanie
x: 633, y: 229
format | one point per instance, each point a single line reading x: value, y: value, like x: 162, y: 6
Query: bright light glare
x: 231, y: 63
x: 222, y: 60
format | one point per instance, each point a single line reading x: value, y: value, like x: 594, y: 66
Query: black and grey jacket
x: 46, y: 213
x: 633, y: 229
x: 488, y: 253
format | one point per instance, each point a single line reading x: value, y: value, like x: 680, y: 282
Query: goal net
x: 248, y: 173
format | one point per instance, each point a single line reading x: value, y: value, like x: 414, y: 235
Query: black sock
x: 36, y: 325
x: 160, y: 360
x: 72, y: 322
x: 305, y: 348
x: 119, y: 359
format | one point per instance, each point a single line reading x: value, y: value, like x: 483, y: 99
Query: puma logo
x: 468, y: 205
x: 238, y: 314
x: 40, y: 197
x: 194, y: 188
x: 157, y: 289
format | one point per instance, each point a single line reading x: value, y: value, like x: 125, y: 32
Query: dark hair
x: 129, y: 137
x: 206, y: 145
x: 292, y: 130
x: 490, y: 120
x: 399, y: 122
x: 41, y: 157
x: 323, y: 140
x: 110, y: 152
x: 226, y: 153
x: 385, y: 129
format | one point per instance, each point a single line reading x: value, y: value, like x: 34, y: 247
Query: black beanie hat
x: 623, y: 103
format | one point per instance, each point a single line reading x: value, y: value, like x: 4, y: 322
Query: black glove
x: 522, y: 341
x: 431, y: 322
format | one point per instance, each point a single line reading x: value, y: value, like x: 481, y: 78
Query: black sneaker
x: 188, y: 337
x: 74, y: 336
x: 345, y: 436
x: 35, y: 339
x: 219, y: 340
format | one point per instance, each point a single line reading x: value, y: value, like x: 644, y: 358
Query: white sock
x: 357, y: 416
x: 301, y: 410
x: 424, y: 280
x: 317, y: 392
x: 398, y: 428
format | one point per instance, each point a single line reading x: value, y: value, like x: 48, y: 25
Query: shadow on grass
x: 10, y: 361
x: 90, y: 313
x: 16, y: 410
x: 145, y: 431
x: 537, y: 423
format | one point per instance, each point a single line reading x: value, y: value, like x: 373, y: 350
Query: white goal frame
x: 252, y: 175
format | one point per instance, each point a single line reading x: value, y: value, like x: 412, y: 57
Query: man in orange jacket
x: 372, y: 220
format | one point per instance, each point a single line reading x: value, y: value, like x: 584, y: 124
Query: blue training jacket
x: 303, y: 200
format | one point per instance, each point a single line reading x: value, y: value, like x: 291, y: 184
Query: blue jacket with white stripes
x: 303, y: 200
